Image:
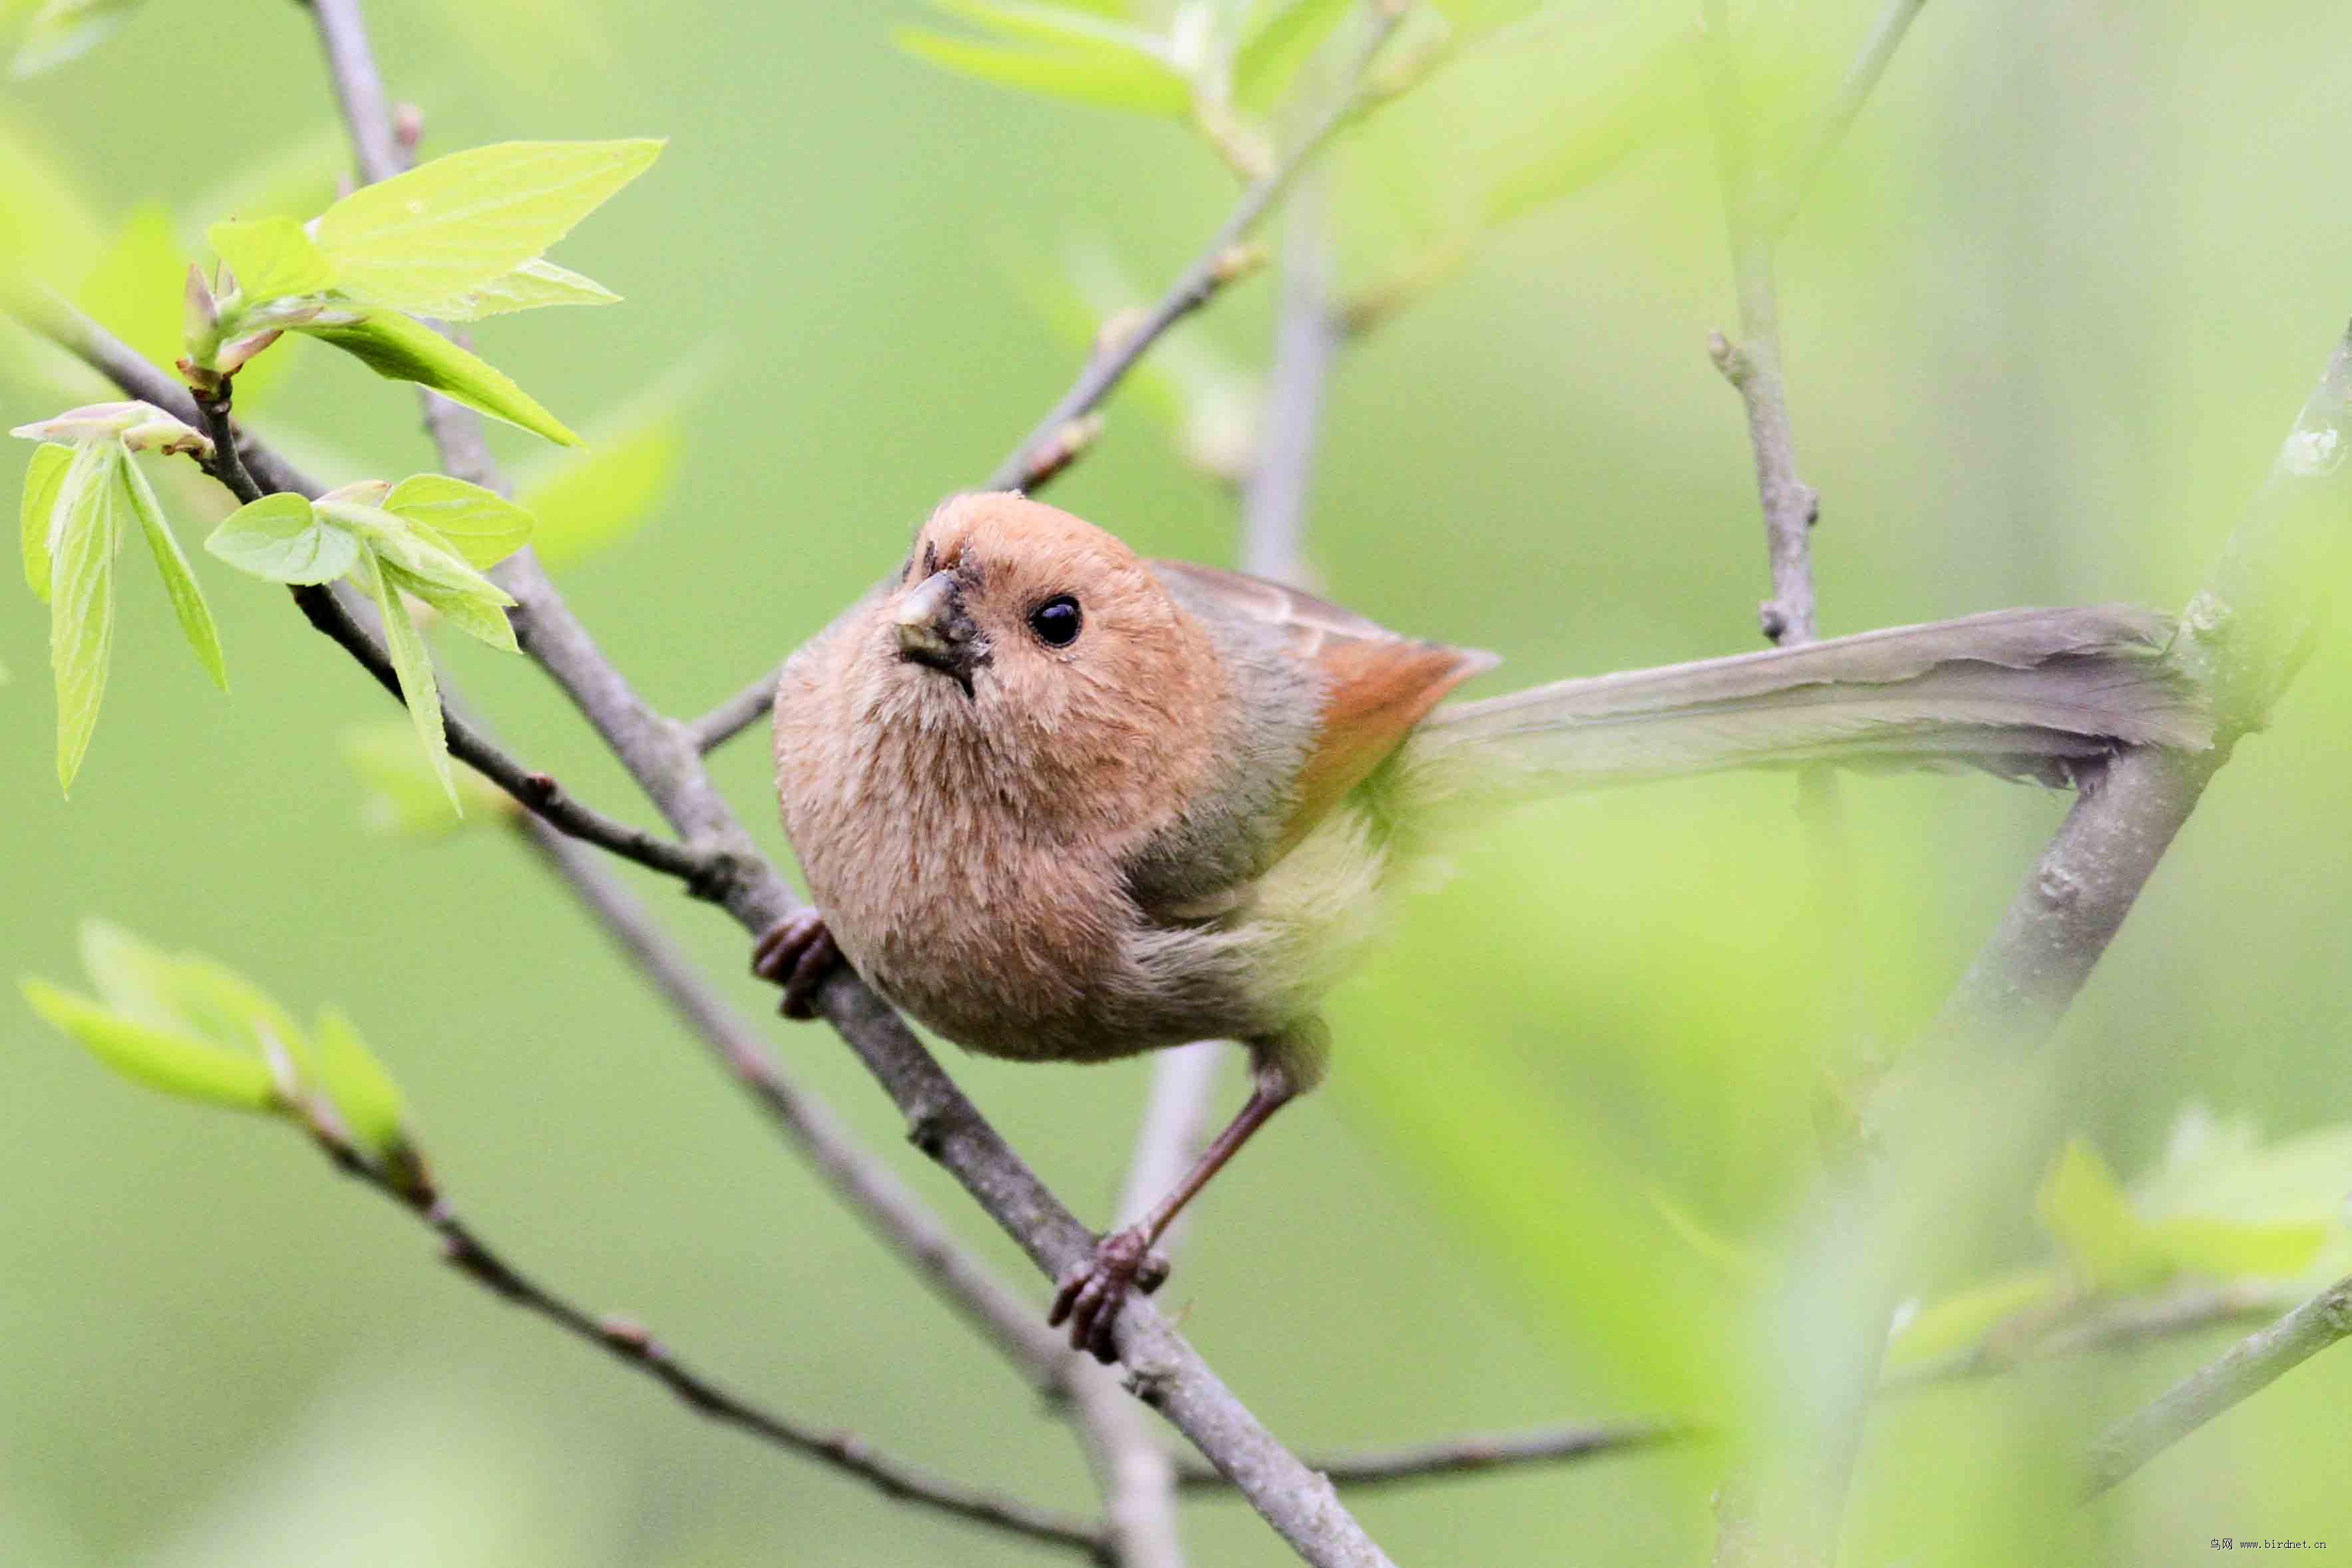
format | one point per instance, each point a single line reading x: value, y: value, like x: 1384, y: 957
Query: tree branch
x: 2248, y: 1367
x: 737, y: 715
x: 1459, y: 1456
x: 465, y: 1251
x: 1113, y: 359
x: 660, y: 754
x: 2243, y: 638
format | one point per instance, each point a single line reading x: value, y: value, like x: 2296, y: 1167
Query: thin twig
x: 1112, y: 361
x: 2245, y: 1369
x: 1799, y: 1514
x: 737, y: 715
x: 2243, y: 638
x: 1162, y: 1369
x: 1458, y: 1457
x: 465, y: 1251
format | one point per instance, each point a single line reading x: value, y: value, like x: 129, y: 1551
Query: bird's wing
x: 1376, y: 685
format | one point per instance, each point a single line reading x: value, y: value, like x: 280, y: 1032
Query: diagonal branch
x: 1458, y: 1457
x: 1215, y: 267
x: 2243, y: 637
x: 2247, y: 1368
x: 660, y: 754
x: 737, y: 715
x: 465, y: 1251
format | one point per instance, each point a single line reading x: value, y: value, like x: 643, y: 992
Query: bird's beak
x: 933, y: 628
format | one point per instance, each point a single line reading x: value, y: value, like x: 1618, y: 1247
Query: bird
x: 1061, y: 802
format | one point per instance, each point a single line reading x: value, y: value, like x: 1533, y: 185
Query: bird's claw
x: 797, y: 953
x: 1092, y: 1293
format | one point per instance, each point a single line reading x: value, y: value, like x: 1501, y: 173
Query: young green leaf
x: 2233, y: 1250
x: 415, y: 551
x: 43, y: 483
x: 412, y: 661
x: 536, y: 283
x: 477, y: 613
x: 1281, y: 38
x: 1963, y: 1320
x: 599, y: 497
x: 2091, y: 1218
x: 162, y: 1058
x: 451, y: 225
x: 1106, y: 77
x: 279, y: 538
x: 363, y: 1093
x: 82, y: 597
x: 480, y: 525
x: 179, y: 582
x: 400, y: 349
x: 1061, y: 26
x: 185, y: 994
x: 271, y: 258
x: 62, y: 29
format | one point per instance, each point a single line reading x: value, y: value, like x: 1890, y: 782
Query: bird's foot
x: 1092, y: 1293
x: 797, y: 953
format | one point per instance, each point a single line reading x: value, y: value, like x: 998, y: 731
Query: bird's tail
x: 2035, y: 694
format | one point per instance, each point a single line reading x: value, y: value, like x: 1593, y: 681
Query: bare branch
x: 1459, y: 1456
x: 737, y: 715
x: 465, y: 1251
x: 2243, y: 637
x: 1111, y: 360
x: 861, y: 1181
x: 660, y: 754
x: 2248, y: 1367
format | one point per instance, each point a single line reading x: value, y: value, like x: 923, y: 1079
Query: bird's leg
x: 1092, y: 1293
x: 797, y: 953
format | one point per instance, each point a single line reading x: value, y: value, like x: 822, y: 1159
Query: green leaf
x: 482, y: 526
x: 134, y: 288
x: 2235, y: 1249
x: 363, y: 1093
x: 529, y: 286
x: 453, y: 225
x: 2091, y: 1218
x: 1281, y: 40
x: 600, y: 497
x: 415, y: 551
x: 62, y: 29
x: 82, y: 597
x: 400, y: 349
x: 412, y: 663
x: 179, y: 582
x: 1061, y: 26
x: 166, y: 1059
x: 271, y: 257
x: 474, y: 613
x: 403, y: 796
x: 43, y: 483
x: 1961, y: 1322
x: 184, y: 993
x: 1108, y: 78
x: 279, y: 538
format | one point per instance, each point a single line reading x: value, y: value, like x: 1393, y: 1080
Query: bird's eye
x: 1057, y: 621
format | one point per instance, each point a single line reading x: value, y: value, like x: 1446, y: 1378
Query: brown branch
x: 1113, y: 359
x: 737, y: 715
x: 1459, y: 1456
x: 2247, y: 1368
x: 660, y: 754
x: 465, y: 1251
x: 2243, y: 638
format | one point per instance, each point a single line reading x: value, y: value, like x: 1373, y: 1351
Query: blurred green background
x: 2047, y: 316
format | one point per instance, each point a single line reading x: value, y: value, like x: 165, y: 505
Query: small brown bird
x: 1063, y: 803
